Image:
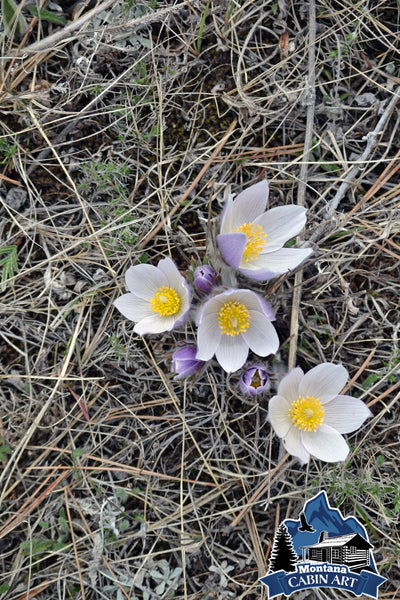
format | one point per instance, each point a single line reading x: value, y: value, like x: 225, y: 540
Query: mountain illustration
x: 318, y: 516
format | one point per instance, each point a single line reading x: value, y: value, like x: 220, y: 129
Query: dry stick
x: 51, y: 40
x: 64, y: 34
x: 360, y: 370
x: 298, y: 280
x: 372, y: 140
x: 217, y: 150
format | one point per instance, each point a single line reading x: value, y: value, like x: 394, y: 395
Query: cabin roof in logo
x: 351, y: 539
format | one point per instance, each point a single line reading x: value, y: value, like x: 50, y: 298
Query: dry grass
x: 119, y: 137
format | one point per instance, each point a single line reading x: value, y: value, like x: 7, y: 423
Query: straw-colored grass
x: 121, y: 132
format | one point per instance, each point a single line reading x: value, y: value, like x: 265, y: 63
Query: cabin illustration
x: 351, y: 550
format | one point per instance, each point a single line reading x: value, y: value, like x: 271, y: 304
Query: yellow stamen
x: 307, y: 413
x: 233, y: 318
x: 256, y: 380
x: 256, y: 239
x: 165, y: 301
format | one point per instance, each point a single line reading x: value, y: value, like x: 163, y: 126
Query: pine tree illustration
x: 283, y: 555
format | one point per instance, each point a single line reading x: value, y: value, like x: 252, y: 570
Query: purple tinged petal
x: 204, y: 279
x: 325, y: 380
x: 346, y: 414
x: 232, y: 246
x: 326, y: 444
x: 184, y: 362
x: 267, y: 309
x: 254, y: 380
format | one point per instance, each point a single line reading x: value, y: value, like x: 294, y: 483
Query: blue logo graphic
x: 322, y: 549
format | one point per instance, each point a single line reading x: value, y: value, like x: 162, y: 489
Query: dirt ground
x: 124, y: 124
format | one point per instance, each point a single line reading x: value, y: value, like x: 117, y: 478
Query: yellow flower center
x: 165, y: 301
x: 256, y: 380
x: 233, y: 318
x: 256, y: 239
x: 307, y: 413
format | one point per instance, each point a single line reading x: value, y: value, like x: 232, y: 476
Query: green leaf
x: 3, y: 451
x: 63, y: 522
x: 13, y: 17
x: 9, y: 264
x: 47, y: 15
x: 201, y: 27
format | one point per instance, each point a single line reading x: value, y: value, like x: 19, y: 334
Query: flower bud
x: 185, y: 363
x: 254, y: 380
x: 204, y: 279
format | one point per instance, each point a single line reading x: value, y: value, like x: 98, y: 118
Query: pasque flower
x: 158, y: 298
x: 309, y: 414
x: 254, y: 380
x: 251, y: 240
x: 185, y: 363
x: 232, y: 322
x: 204, y: 279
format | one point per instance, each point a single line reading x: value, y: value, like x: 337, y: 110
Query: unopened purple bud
x: 185, y: 363
x: 204, y: 279
x: 254, y: 380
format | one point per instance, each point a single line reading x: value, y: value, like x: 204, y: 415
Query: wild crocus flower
x: 254, y: 380
x: 204, y: 279
x: 185, y: 363
x: 158, y: 298
x: 251, y: 240
x: 309, y: 414
x: 232, y: 322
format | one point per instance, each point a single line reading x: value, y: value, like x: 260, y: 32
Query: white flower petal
x: 289, y: 385
x: 154, y: 324
x: 324, y: 381
x: 261, y: 335
x: 294, y: 445
x: 231, y: 352
x: 281, y: 224
x: 278, y: 410
x: 143, y: 280
x: 280, y: 261
x: 226, y: 216
x: 249, y: 204
x: 174, y: 278
x: 208, y: 336
x: 133, y: 308
x: 345, y: 413
x: 326, y: 444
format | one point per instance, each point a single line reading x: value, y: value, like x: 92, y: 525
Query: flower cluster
x: 307, y: 412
